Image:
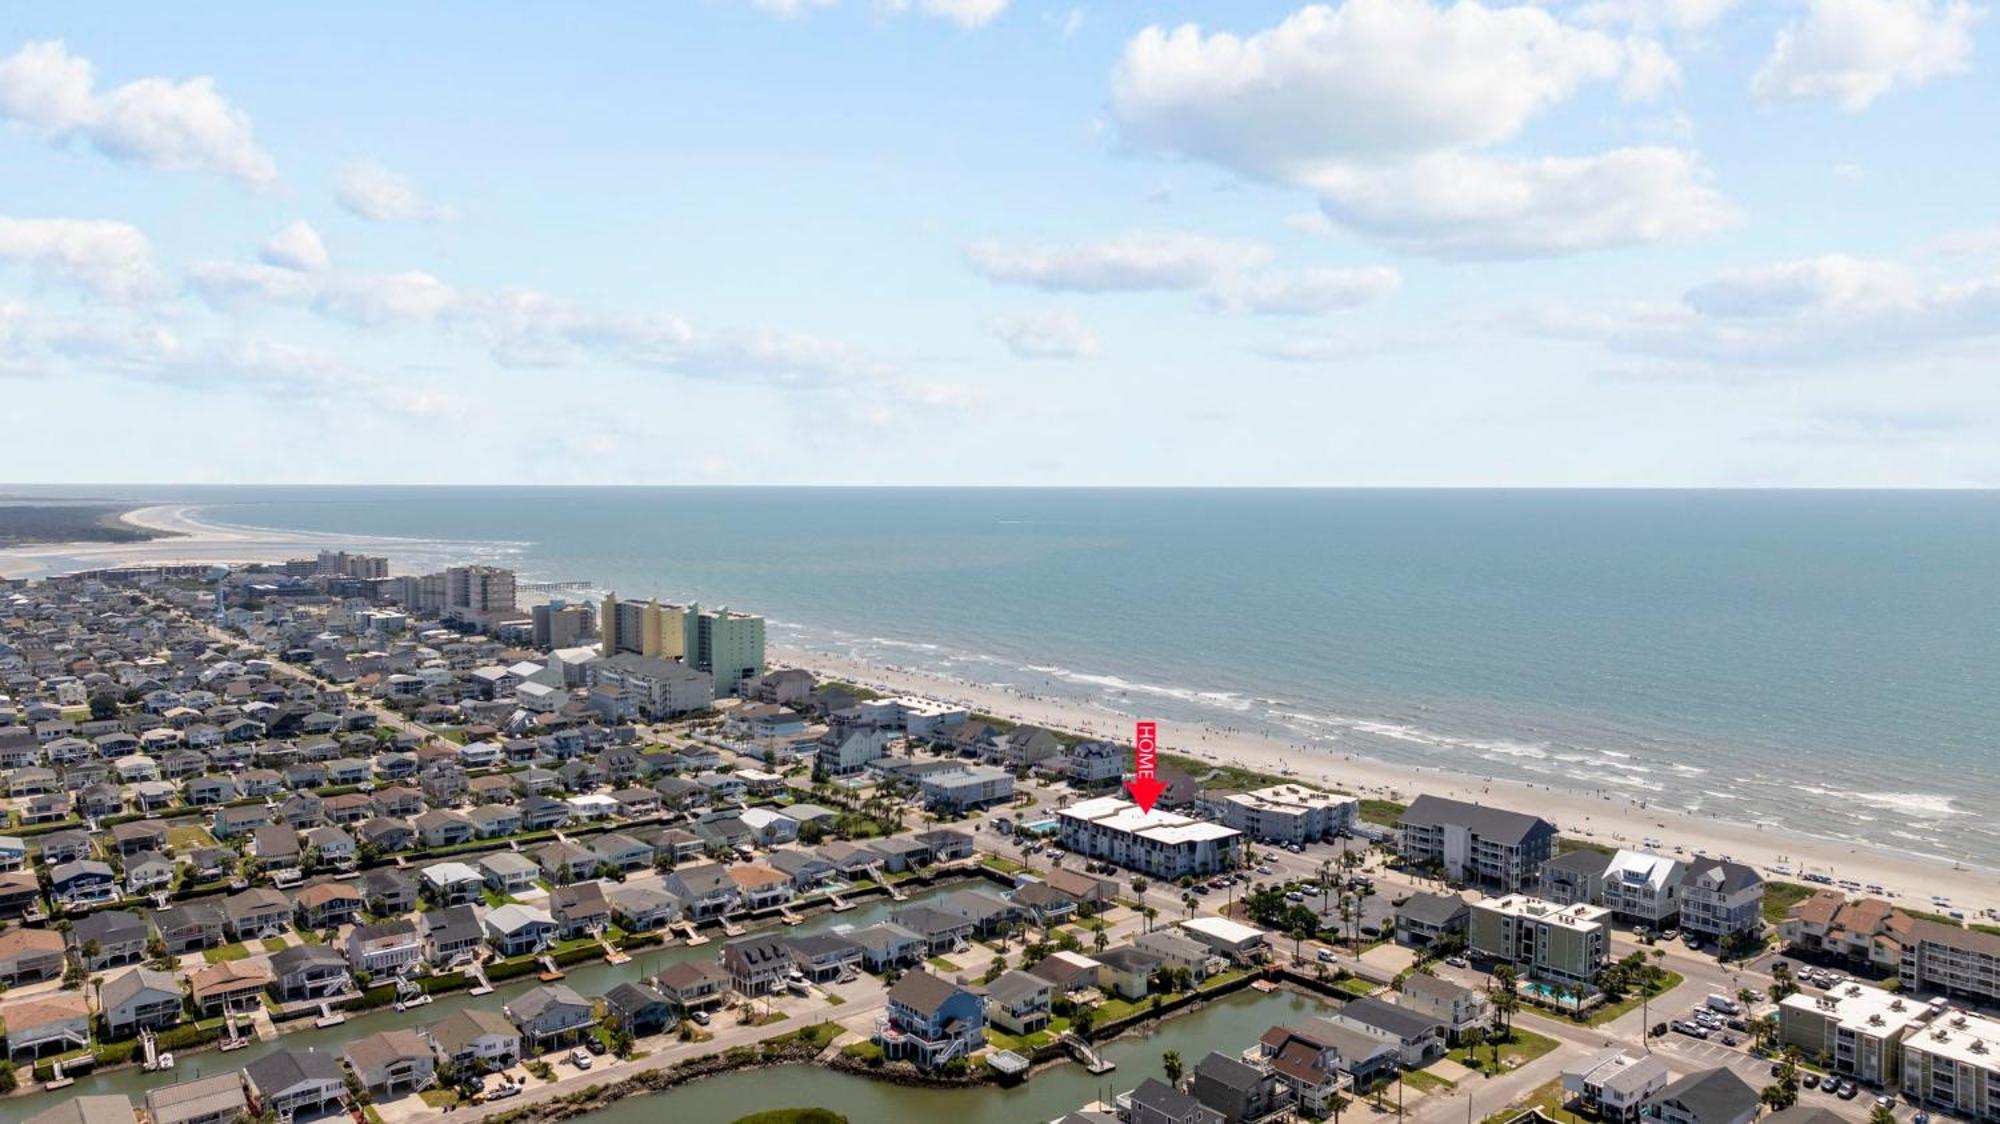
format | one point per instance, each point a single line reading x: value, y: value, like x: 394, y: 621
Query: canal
x: 1230, y: 1025
x: 589, y: 980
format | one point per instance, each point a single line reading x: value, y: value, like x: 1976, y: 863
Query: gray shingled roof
x: 1497, y: 825
x: 1712, y: 1096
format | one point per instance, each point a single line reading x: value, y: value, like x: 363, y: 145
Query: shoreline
x: 187, y: 540
x: 1598, y: 815
x: 1593, y: 816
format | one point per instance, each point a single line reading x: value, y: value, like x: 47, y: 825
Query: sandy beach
x: 1599, y: 815
x: 190, y: 540
x: 1580, y: 813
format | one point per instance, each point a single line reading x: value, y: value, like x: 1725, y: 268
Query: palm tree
x: 1472, y: 1038
x: 1299, y: 935
x: 1505, y: 999
x: 1171, y: 1063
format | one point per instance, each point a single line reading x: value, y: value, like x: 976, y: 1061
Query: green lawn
x: 1549, y: 1098
x: 1355, y: 985
x: 226, y: 952
x: 1426, y: 1082
x: 1384, y: 812
x: 275, y: 944
x: 1021, y: 1043
x: 1521, y: 1047
x: 188, y: 836
x: 1780, y: 897
x: 1003, y: 865
x: 941, y: 962
x: 439, y: 1098
x: 1601, y: 1015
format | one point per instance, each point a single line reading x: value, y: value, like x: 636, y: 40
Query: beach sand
x: 1599, y: 816
x: 1606, y: 818
x: 191, y: 541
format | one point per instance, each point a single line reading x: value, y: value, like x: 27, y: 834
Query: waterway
x: 588, y: 979
x: 1230, y: 1025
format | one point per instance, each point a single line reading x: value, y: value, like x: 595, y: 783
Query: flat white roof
x: 1579, y: 916
x: 1862, y: 1009
x: 1964, y: 1037
x: 1289, y: 797
x: 1223, y: 929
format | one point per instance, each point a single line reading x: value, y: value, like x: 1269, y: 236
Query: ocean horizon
x: 1814, y: 660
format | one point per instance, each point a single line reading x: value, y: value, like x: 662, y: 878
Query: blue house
x: 931, y: 1021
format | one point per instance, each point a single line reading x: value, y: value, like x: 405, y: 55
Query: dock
x: 328, y: 1016
x: 790, y: 918
x: 611, y: 953
x: 1091, y: 1059
x: 694, y: 937
x: 478, y: 972
x: 729, y: 928
x: 550, y: 972
x: 233, y: 1039
x: 839, y: 906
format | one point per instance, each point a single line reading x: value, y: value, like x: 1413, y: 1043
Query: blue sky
x: 1382, y: 242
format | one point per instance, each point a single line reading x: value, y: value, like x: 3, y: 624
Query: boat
x: 164, y: 1061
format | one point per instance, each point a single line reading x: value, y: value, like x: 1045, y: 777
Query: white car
x: 580, y: 1058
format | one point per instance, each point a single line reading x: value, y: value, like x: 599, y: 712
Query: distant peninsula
x: 42, y: 521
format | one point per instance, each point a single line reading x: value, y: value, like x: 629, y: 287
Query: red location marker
x: 1144, y: 786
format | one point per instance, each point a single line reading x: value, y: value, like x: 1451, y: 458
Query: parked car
x: 1809, y: 1079
x: 594, y: 1044
x: 700, y: 1018
x: 1325, y: 956
x: 580, y: 1058
x: 1847, y: 1090
x: 1457, y: 961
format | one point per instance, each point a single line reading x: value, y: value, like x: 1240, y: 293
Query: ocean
x: 1820, y: 661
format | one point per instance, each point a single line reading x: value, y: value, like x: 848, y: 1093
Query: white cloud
x: 297, y: 246
x: 1139, y: 261
x: 1306, y: 292
x: 1817, y: 314
x: 1833, y: 283
x: 1310, y: 222
x: 112, y: 259
x: 1462, y: 206
x: 380, y: 195
x: 964, y: 13
x: 154, y: 122
x: 1383, y: 106
x: 1053, y: 333
x: 523, y: 327
x: 1851, y: 52
x: 790, y: 8
x: 229, y: 285
x: 968, y: 14
x: 1654, y: 15
x: 1366, y: 80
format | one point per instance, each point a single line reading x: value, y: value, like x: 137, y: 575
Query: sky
x: 1369, y: 243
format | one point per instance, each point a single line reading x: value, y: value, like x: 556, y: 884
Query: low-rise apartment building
x: 1556, y: 943
x: 1475, y: 843
x: 1289, y: 813
x: 1159, y: 843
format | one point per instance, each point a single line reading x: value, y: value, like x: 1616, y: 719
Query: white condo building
x: 1289, y: 813
x: 1159, y: 843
